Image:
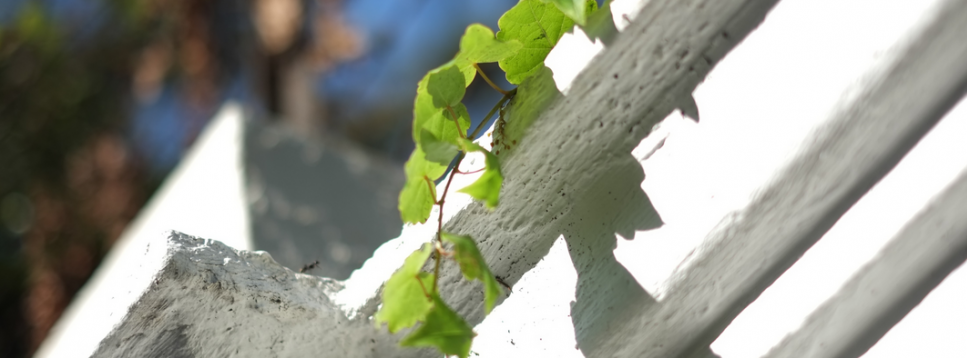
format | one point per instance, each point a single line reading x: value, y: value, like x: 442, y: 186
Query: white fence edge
x: 211, y: 170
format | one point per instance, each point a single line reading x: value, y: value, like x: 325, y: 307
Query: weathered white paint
x: 882, y: 292
x: 757, y: 107
x: 933, y: 328
x: 209, y: 300
x: 757, y: 104
x: 205, y: 188
x: 864, y: 140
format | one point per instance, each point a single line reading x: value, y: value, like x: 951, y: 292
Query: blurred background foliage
x: 99, y: 99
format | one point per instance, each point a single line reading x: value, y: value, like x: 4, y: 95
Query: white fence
x: 574, y: 182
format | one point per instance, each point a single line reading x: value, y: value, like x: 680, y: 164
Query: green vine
x: 528, y: 32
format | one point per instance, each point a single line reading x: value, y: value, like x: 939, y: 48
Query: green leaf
x: 444, y: 128
x: 577, y: 10
x: 418, y: 166
x: 534, y: 95
x: 446, y: 86
x: 487, y: 187
x: 416, y: 201
x: 424, y: 109
x: 443, y: 329
x: 404, y: 299
x: 437, y: 151
x: 468, y: 146
x: 466, y: 67
x: 600, y: 25
x: 479, y: 45
x: 419, y: 193
x: 473, y: 266
x: 538, y: 26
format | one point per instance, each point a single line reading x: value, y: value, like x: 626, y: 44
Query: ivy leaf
x: 437, y: 151
x: 443, y: 329
x: 473, y: 266
x: 446, y: 86
x: 418, y: 194
x: 479, y: 45
x: 534, y: 95
x: 404, y: 299
x: 538, y: 26
x: 577, y: 10
x: 416, y: 200
x: 418, y: 166
x: 469, y: 146
x: 487, y: 187
x: 600, y: 24
x: 466, y: 68
x: 443, y: 126
x: 424, y: 109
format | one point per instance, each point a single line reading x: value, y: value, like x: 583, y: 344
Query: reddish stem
x: 429, y: 183
x: 457, y: 122
x: 470, y: 172
x: 423, y: 287
x: 439, y: 230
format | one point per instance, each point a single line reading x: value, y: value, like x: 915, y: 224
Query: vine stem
x: 489, y: 82
x: 470, y: 172
x: 510, y: 94
x: 456, y: 169
x: 417, y: 277
x: 439, y: 230
x: 455, y: 120
x: 429, y: 183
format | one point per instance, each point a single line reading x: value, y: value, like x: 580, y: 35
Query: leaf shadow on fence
x: 605, y: 289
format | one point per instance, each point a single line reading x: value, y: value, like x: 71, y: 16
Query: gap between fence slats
x: 861, y: 143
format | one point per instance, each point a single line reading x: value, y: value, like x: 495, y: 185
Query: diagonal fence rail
x: 859, y: 146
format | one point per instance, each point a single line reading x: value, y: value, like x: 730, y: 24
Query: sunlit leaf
x: 600, y: 25
x: 538, y: 26
x: 444, y: 128
x: 443, y: 329
x: 418, y: 166
x: 418, y: 194
x: 446, y: 86
x: 473, y: 266
x: 437, y: 151
x: 576, y: 10
x: 534, y: 95
x: 480, y: 45
x: 404, y: 300
x: 487, y: 187
x: 466, y: 68
x: 424, y: 109
x: 416, y: 201
x: 469, y: 146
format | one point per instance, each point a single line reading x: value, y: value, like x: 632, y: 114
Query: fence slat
x: 844, y: 160
x: 587, y: 136
x: 925, y: 251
